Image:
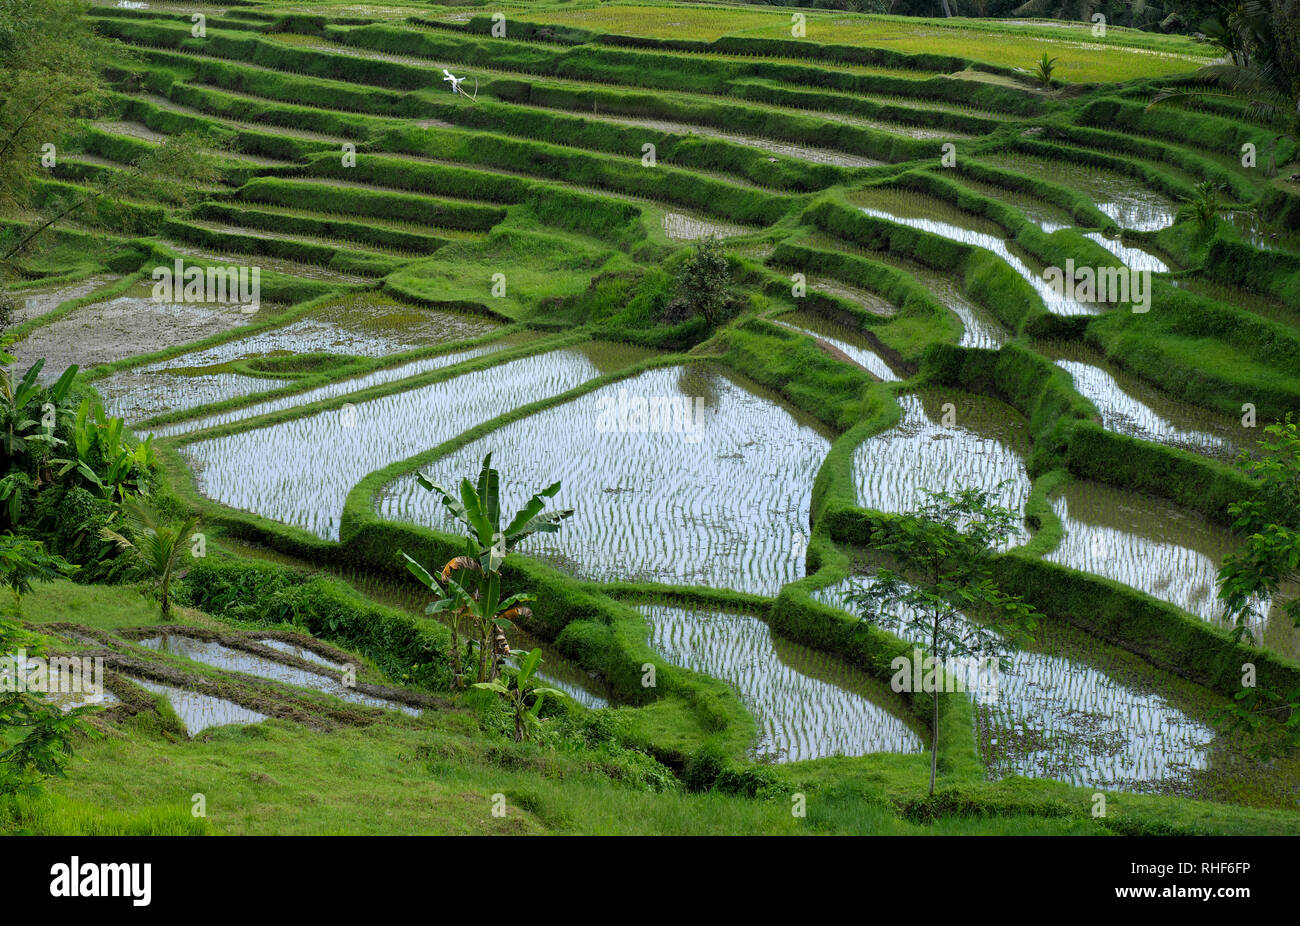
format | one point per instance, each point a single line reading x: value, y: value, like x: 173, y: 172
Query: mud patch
x: 34, y: 303
x: 125, y: 326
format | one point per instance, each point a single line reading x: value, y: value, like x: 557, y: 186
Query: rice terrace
x: 648, y: 418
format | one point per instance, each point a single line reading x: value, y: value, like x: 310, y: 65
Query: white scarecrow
x: 457, y: 81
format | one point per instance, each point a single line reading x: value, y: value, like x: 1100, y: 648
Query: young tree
x: 703, y: 285
x: 24, y: 562
x: 470, y: 585
x: 522, y: 689
x: 1268, y: 524
x: 945, y: 548
x: 158, y: 547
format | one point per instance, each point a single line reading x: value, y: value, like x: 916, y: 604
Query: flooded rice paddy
x: 772, y: 146
x: 229, y: 659
x: 848, y: 342
x: 681, y: 227
x: 677, y: 475
x: 1054, y: 710
x: 300, y: 471
x: 920, y: 211
x: 806, y: 704
x: 329, y: 391
x: 200, y: 711
x: 1119, y: 196
x: 1157, y: 548
x: 1131, y: 406
x: 945, y: 440
x: 361, y: 326
x: 1134, y: 258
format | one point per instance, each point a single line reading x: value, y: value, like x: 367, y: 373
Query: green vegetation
x: 696, y: 269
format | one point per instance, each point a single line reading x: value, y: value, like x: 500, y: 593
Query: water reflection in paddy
x: 983, y: 445
x: 229, y: 659
x: 1131, y: 406
x: 936, y: 217
x: 300, y: 471
x: 719, y: 497
x: 848, y: 342
x: 1158, y: 548
x: 807, y: 705
x: 1054, y: 712
x: 199, y: 711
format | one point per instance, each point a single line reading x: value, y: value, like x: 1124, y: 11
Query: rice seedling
x: 806, y: 704
x: 1045, y: 713
x: 915, y: 211
x: 322, y: 393
x: 1131, y: 406
x: 1160, y: 549
x: 1119, y: 196
x: 300, y: 471
x: 1134, y: 258
x: 982, y: 446
x: 844, y: 340
x: 677, y: 475
x: 200, y: 711
x: 228, y: 659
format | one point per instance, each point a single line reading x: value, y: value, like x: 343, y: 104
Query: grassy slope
x: 438, y: 775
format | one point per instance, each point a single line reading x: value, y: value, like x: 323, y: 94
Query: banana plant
x: 158, y: 547
x: 470, y: 585
x: 522, y: 688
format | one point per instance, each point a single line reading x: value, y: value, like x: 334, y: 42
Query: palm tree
x: 158, y: 547
x: 1262, y: 61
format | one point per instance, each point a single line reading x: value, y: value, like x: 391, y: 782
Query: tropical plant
x: 703, y: 285
x: 1043, y: 69
x: 1261, y: 39
x: 946, y: 547
x: 1203, y: 205
x: 39, y: 733
x: 522, y: 689
x: 103, y: 457
x: 470, y: 585
x: 157, y: 547
x: 23, y: 562
x: 1268, y: 560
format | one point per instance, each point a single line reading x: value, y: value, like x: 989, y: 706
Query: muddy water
x: 1160, y: 549
x: 1131, y: 406
x: 199, y: 711
x: 32, y: 303
x: 718, y: 498
x: 127, y: 325
x: 917, y: 211
x: 984, y: 446
x: 366, y: 325
x: 232, y: 660
x: 844, y: 340
x: 1119, y: 196
x: 1055, y: 710
x: 300, y: 471
x: 807, y: 705
x: 681, y: 227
